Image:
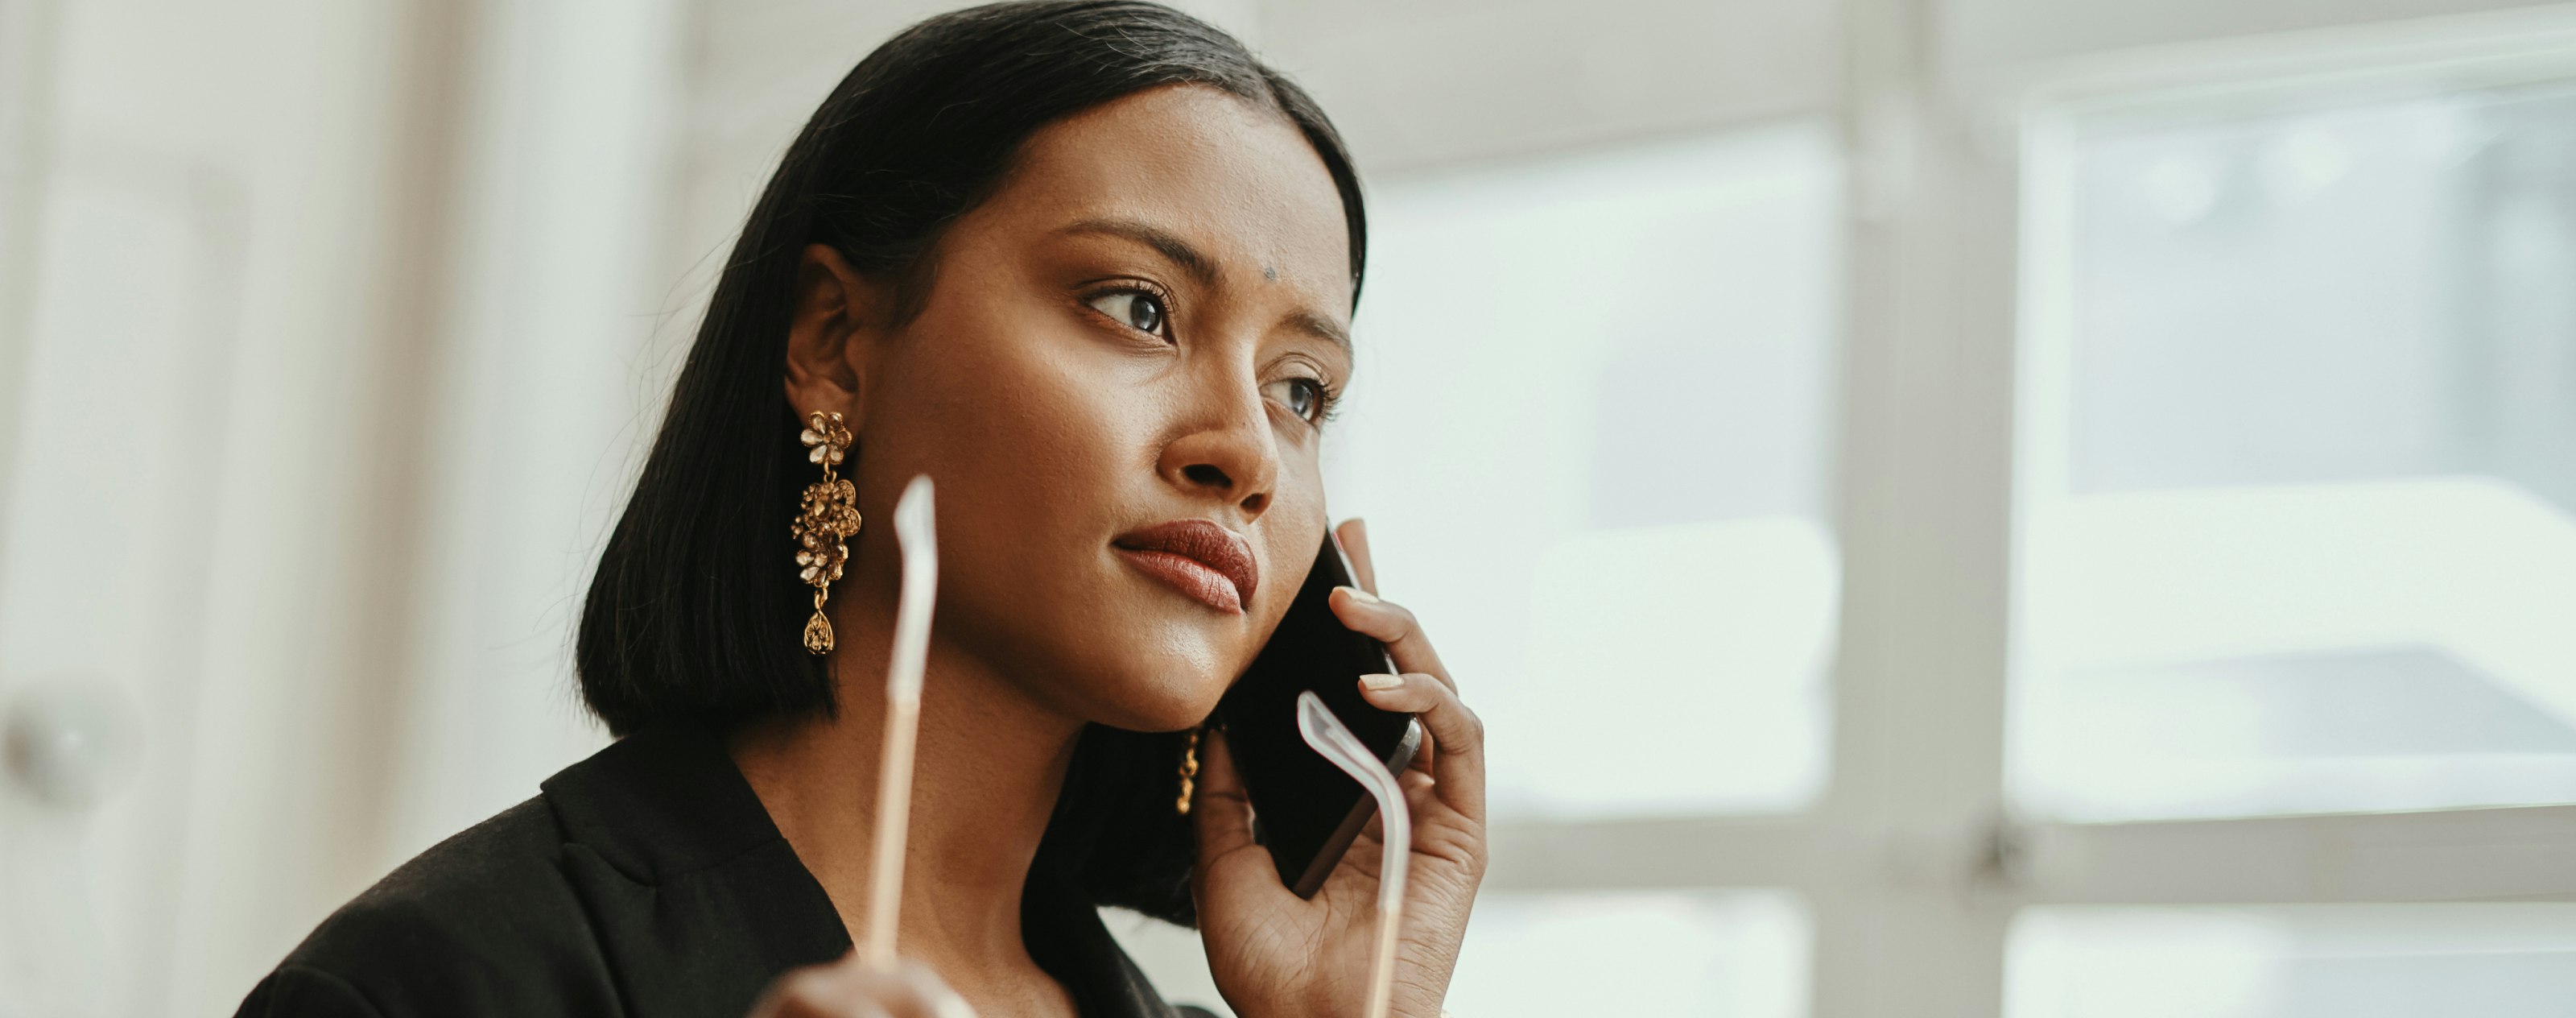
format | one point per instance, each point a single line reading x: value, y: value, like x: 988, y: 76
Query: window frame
x: 1914, y: 864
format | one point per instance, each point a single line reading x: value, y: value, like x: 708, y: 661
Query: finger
x: 1354, y: 537
x: 1392, y: 625
x: 1426, y: 756
x: 1418, y: 788
x: 1420, y: 791
x: 1235, y: 875
x: 1219, y: 807
x: 1459, y: 734
x: 1365, y: 856
x: 817, y: 990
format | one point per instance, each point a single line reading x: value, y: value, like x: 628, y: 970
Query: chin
x: 1165, y: 686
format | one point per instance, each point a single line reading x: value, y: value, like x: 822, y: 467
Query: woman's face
x: 1117, y: 378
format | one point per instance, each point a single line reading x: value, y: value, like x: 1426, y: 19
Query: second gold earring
x: 1189, y: 773
x: 828, y: 516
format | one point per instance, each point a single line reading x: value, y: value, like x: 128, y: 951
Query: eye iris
x: 1144, y: 313
x: 1301, y: 399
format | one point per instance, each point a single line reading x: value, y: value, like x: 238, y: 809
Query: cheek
x: 1036, y: 440
x: 1013, y: 414
x: 1291, y: 533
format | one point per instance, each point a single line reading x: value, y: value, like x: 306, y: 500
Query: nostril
x: 1204, y: 474
x: 1255, y: 503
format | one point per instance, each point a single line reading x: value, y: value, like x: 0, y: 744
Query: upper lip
x: 1205, y: 542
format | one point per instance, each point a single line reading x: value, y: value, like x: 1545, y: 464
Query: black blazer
x: 646, y: 881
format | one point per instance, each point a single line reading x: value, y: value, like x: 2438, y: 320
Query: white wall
x: 320, y: 323
x: 189, y: 505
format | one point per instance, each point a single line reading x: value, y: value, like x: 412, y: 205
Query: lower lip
x: 1189, y: 576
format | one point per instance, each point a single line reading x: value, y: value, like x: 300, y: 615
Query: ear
x: 838, y: 319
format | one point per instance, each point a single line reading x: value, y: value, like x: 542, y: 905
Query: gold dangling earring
x: 1189, y: 771
x: 830, y: 514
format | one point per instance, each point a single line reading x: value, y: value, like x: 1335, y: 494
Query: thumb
x: 1222, y: 812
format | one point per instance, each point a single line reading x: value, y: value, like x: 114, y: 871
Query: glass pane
x: 2321, y: 961
x: 2299, y: 531
x: 1737, y: 955
x: 1588, y: 433
x: 1720, y: 954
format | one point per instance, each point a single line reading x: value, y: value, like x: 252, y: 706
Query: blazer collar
x: 661, y: 802
x: 707, y: 898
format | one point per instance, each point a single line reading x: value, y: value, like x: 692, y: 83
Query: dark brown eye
x: 1136, y: 309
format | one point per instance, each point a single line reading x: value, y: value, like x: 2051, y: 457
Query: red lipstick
x: 1209, y: 563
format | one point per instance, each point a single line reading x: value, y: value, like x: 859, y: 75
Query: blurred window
x: 2300, y: 487
x: 2514, y: 960
x: 1605, y: 468
x: 1700, y: 953
x: 1589, y: 433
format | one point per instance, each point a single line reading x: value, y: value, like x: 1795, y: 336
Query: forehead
x: 1233, y: 179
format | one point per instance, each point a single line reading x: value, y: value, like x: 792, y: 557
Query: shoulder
x: 484, y: 922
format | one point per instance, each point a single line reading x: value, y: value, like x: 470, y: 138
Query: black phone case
x: 1305, y: 810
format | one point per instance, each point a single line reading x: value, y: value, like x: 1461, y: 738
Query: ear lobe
x: 838, y: 316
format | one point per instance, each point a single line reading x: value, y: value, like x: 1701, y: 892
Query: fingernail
x: 1361, y: 596
x: 1381, y: 681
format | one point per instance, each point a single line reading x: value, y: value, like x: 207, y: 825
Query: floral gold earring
x: 828, y: 516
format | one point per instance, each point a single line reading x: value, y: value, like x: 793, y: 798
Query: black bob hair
x: 695, y: 614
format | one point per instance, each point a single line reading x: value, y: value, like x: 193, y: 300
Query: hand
x: 848, y: 988
x: 1274, y: 954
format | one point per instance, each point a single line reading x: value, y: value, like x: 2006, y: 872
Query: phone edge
x: 1339, y: 845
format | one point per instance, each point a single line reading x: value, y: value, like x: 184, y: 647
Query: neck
x: 986, y: 773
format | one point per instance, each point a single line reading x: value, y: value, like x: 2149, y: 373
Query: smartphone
x: 1305, y: 810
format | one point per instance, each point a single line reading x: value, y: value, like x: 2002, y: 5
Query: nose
x: 1231, y: 457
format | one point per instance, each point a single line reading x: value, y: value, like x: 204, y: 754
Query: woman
x: 1090, y: 266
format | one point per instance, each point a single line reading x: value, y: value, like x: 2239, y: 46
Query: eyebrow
x: 1321, y: 328
x: 1199, y: 266
x: 1203, y: 269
